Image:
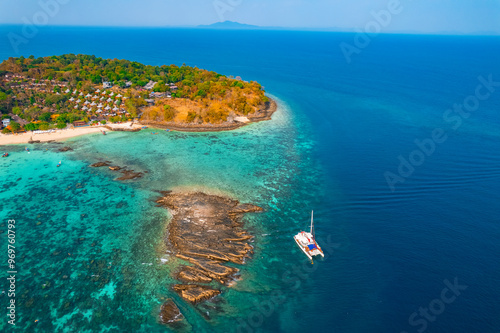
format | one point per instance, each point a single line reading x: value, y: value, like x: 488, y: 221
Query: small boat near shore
x: 307, y: 243
x: 59, y: 164
x: 5, y: 155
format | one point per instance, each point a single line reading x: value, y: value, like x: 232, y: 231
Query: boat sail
x: 307, y: 243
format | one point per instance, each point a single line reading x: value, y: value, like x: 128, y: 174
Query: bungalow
x: 88, y: 96
x: 118, y: 96
x: 93, y: 104
x: 78, y: 101
x: 5, y: 122
x: 98, y: 91
x: 76, y: 107
x: 81, y: 94
x: 74, y: 92
x: 107, y: 108
x: 128, y: 84
x: 150, y: 101
x: 67, y: 91
x: 86, y: 102
x: 150, y: 85
x: 100, y: 105
x: 71, y: 99
x: 112, y: 94
x: 79, y: 123
x: 107, y: 84
x: 115, y: 109
x: 109, y: 100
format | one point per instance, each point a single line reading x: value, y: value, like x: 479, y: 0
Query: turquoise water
x: 94, y: 245
x: 340, y: 127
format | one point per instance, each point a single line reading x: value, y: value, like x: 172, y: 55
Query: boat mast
x: 312, y: 226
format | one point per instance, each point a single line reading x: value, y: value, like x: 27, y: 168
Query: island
x: 46, y: 94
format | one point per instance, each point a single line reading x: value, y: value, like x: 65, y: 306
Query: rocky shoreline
x: 262, y: 115
x: 207, y: 233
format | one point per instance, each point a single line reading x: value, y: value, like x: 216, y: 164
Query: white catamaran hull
x: 302, y: 248
x: 303, y: 240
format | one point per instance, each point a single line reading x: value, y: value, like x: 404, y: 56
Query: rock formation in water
x: 170, y: 313
x: 206, y: 231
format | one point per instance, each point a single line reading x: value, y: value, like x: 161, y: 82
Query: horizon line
x: 268, y: 28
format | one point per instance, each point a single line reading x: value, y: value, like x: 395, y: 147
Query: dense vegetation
x: 205, y: 95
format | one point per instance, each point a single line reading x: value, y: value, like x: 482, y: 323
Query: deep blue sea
x: 397, y: 152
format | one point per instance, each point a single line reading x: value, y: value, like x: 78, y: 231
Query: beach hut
x: 71, y: 99
x: 86, y: 102
x: 93, y: 104
x: 109, y: 100
x: 112, y: 94
x: 100, y: 105
x: 81, y: 94
x: 118, y: 96
x: 85, y: 108
x: 79, y: 123
x: 98, y: 91
x: 78, y: 101
x: 74, y: 92
x: 107, y: 108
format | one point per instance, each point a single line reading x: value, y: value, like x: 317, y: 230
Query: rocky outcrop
x: 126, y: 173
x: 195, y: 293
x: 261, y: 115
x: 63, y: 149
x: 100, y: 164
x: 206, y: 231
x: 170, y: 313
x: 122, y: 129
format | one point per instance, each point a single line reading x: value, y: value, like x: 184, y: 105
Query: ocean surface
x: 90, y: 252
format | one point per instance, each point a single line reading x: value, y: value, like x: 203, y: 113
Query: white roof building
x: 98, y: 91
x: 107, y: 108
x: 109, y: 100
x: 71, y: 99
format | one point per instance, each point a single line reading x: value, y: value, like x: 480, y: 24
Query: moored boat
x: 307, y: 243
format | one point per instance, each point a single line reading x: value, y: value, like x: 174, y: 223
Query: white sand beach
x: 58, y: 135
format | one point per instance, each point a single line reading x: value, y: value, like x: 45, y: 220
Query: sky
x: 406, y: 16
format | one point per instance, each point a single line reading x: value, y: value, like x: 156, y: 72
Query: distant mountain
x: 229, y: 25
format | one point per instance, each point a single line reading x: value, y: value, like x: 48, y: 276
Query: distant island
x: 229, y: 25
x: 40, y: 94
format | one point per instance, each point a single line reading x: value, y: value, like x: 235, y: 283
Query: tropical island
x: 68, y: 91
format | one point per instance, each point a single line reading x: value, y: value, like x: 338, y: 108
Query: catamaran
x: 307, y: 243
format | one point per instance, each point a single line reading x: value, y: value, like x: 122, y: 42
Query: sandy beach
x: 58, y: 135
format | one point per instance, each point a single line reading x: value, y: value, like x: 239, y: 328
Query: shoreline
x: 63, y: 134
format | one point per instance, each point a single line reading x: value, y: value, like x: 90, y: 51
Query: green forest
x: 211, y: 96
